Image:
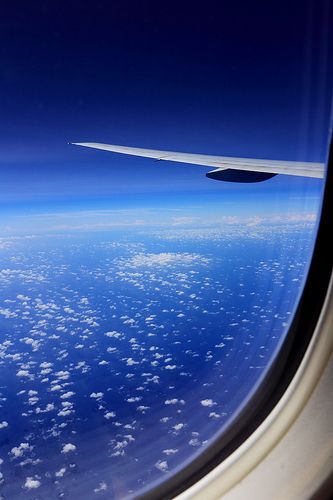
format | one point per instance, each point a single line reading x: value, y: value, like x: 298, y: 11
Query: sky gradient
x: 247, y: 79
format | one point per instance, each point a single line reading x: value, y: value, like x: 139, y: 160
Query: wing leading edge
x: 225, y: 168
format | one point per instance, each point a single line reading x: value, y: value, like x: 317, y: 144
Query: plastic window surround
x: 286, y: 389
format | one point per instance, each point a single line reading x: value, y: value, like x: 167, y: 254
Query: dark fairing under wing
x: 230, y: 175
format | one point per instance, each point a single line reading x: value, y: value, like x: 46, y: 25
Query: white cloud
x: 180, y: 221
x: 22, y: 297
x: 142, y: 408
x: 163, y: 259
x: 68, y: 447
x: 131, y: 362
x: 3, y: 424
x: 31, y: 483
x: 114, y: 334
x: 162, y: 465
x: 194, y: 442
x: 170, y: 451
x: 18, y: 451
x: 56, y: 387
x: 7, y: 313
x: 177, y: 427
x: 64, y: 413
x: 213, y: 414
x: 62, y: 375
x: 60, y: 472
x: 24, y: 373
x: 109, y: 414
x: 207, y: 402
x: 101, y: 487
x: 67, y: 395
x: 97, y: 395
x: 134, y: 399
x: 174, y: 401
x: 49, y: 407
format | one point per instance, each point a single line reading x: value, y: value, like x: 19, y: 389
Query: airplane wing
x: 225, y: 168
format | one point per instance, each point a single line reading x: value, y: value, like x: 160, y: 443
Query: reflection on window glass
x: 141, y: 303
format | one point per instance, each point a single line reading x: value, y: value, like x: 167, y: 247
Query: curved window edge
x: 283, y: 369
x: 276, y: 427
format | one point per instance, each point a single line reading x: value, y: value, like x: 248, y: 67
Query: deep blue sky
x: 234, y: 78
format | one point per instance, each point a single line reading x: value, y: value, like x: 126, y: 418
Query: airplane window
x: 147, y: 289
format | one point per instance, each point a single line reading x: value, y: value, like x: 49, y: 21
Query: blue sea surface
x: 123, y: 355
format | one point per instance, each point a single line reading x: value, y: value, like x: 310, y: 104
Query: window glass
x: 142, y: 303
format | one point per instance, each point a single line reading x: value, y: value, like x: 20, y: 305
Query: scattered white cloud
x: 207, y: 402
x: 67, y: 395
x: 151, y: 325
x: 109, y: 414
x: 19, y: 450
x: 170, y: 451
x: 68, y: 447
x: 101, y: 487
x: 162, y: 465
x: 97, y: 395
x: 60, y: 472
x: 179, y: 426
x: 31, y: 483
x: 163, y: 259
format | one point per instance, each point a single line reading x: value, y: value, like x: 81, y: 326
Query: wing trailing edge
x: 225, y: 168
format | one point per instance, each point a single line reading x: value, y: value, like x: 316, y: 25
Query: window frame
x: 281, y: 396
